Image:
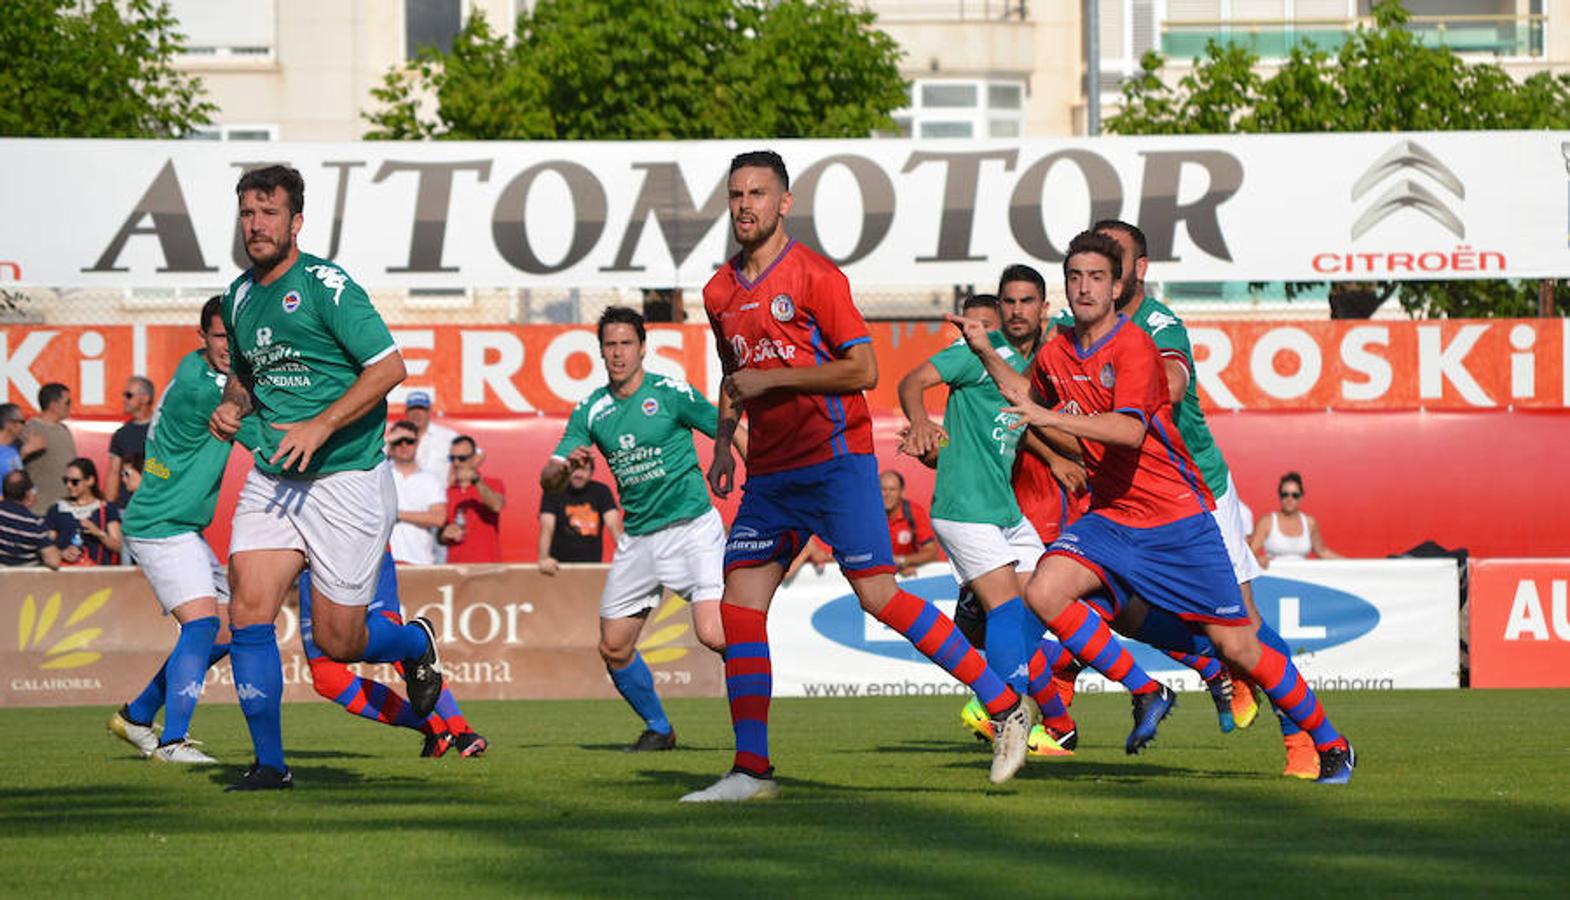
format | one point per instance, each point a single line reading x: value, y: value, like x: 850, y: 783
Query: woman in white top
x: 1289, y: 533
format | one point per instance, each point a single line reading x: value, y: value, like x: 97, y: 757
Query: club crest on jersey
x: 783, y: 307
x: 650, y: 406
x: 291, y: 301
x: 1107, y: 378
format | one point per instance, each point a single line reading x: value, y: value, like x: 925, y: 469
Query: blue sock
x: 186, y: 674
x: 447, y: 706
x: 1005, y: 643
x: 636, y: 685
x: 387, y: 641
x: 145, y: 707
x: 258, y: 682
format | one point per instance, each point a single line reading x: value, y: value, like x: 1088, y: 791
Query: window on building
x: 234, y: 133
x: 226, y: 28
x: 430, y: 23
x: 963, y: 108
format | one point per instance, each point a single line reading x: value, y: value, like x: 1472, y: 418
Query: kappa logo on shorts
x: 1108, y: 378
x: 650, y: 406
x: 783, y: 307
x: 291, y: 301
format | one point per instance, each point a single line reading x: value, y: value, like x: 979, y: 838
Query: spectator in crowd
x: 131, y: 472
x: 12, y: 447
x: 574, y: 519
x: 422, y: 500
x: 86, y: 526
x: 910, y: 527
x: 814, y: 553
x: 46, y: 463
x: 435, y: 439
x: 24, y: 538
x: 131, y: 437
x: 1289, y: 533
x: 474, y: 506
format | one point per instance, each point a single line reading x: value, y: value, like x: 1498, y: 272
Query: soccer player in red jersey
x: 1149, y: 530
x: 797, y: 356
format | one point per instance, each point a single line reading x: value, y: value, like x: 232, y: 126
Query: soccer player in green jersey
x: 163, y: 526
x: 673, y: 537
x: 313, y: 361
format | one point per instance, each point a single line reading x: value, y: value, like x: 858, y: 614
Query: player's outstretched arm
x: 924, y: 435
x: 301, y: 440
x: 975, y: 335
x: 553, y: 477
x: 1115, y: 429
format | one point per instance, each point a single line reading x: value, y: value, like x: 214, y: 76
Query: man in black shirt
x: 131, y: 438
x: 572, y: 520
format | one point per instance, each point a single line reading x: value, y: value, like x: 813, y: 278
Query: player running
x: 1149, y: 530
x: 313, y: 360
x: 797, y: 356
x: 163, y: 527
x: 673, y: 538
x: 446, y: 729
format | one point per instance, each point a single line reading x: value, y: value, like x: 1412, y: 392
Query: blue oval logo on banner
x: 1310, y: 617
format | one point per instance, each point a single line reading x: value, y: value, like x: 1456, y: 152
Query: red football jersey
x: 1042, y: 499
x: 798, y: 313
x: 1154, y: 483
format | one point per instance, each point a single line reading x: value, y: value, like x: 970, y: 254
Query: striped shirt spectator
x: 24, y: 540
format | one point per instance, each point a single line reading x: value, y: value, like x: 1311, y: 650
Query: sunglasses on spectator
x: 1291, y: 495
x: 459, y: 457
x: 404, y: 441
x: 72, y: 480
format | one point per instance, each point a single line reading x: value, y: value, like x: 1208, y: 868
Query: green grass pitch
x: 1459, y: 793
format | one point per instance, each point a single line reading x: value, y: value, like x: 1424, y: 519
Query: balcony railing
x: 893, y: 11
x: 1501, y: 36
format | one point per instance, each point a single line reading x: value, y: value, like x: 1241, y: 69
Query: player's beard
x: 1130, y: 289
x: 763, y: 235
x: 265, y: 264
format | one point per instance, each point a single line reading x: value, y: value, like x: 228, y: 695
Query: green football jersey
x: 184, y: 465
x: 1167, y: 330
x: 647, y: 438
x: 301, y: 342
x: 975, y: 469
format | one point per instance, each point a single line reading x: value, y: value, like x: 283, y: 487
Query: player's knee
x: 339, y: 648
x: 711, y: 635
x: 1045, y: 599
x: 616, y: 655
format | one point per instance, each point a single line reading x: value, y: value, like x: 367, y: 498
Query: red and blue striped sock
x: 749, y: 684
x: 1049, y: 658
x: 1207, y: 667
x: 936, y: 636
x: 1086, y: 636
x: 363, y: 697
x: 1294, y: 698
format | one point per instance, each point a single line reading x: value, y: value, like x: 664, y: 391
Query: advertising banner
x: 1352, y: 625
x: 95, y: 637
x: 1520, y: 623
x: 450, y: 214
x: 1452, y: 364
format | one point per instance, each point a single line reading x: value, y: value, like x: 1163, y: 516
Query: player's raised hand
x: 722, y: 472
x: 224, y: 423
x: 580, y: 457
x: 300, y: 442
x: 972, y: 330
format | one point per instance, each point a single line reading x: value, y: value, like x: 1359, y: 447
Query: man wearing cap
x: 435, y: 440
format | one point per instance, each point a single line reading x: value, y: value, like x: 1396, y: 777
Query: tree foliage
x: 95, y: 69
x: 1384, y: 78
x: 665, y: 69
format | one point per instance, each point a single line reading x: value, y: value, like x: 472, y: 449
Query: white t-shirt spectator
x: 433, y: 450
x: 417, y: 492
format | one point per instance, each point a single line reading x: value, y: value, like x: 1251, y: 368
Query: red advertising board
x: 527, y: 370
x: 1520, y: 623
